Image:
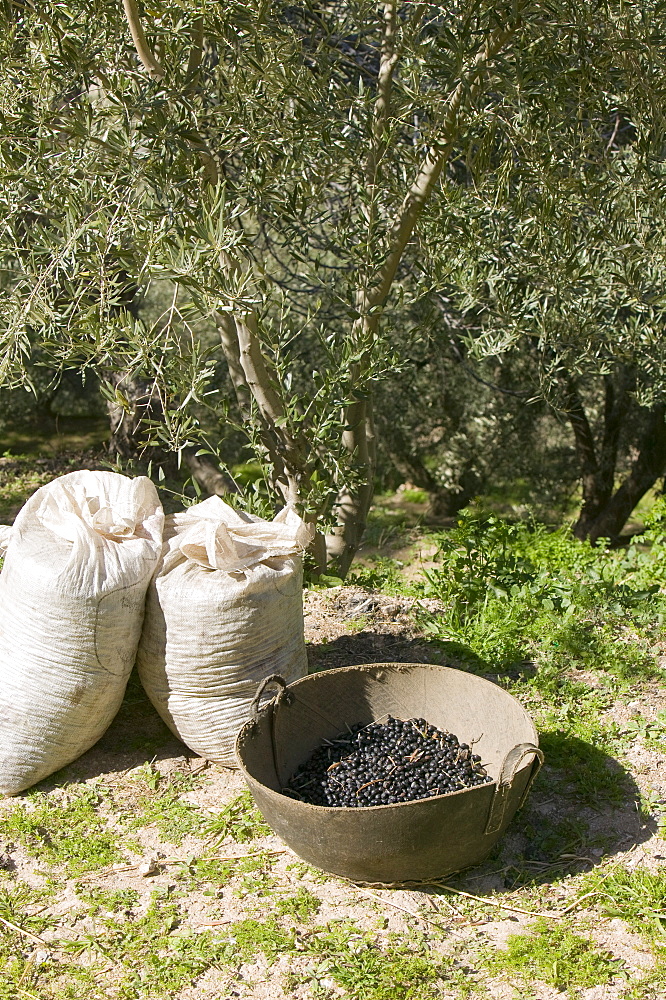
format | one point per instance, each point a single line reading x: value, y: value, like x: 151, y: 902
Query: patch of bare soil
x: 349, y: 625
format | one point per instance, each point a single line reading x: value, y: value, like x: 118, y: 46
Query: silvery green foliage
x: 115, y: 183
x: 552, y: 242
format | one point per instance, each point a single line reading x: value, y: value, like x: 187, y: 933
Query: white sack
x: 72, y: 593
x: 224, y: 610
x: 5, y: 535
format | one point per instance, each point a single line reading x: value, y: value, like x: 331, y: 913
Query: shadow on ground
x: 568, y: 825
x: 377, y: 647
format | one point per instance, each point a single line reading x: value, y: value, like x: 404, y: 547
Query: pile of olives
x: 385, y: 763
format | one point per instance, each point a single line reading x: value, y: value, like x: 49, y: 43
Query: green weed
x: 303, y: 870
x: 257, y: 878
x: 547, y: 841
x: 517, y: 592
x: 652, y: 805
x: 586, y: 771
x: 254, y: 871
x: 637, y: 896
x: 384, y: 526
x: 18, y: 481
x: 380, y: 574
x: 162, y: 805
x: 301, y: 907
x: 652, y: 733
x: 365, y: 971
x: 554, y: 955
x: 201, y: 872
x: 20, y: 979
x: 97, y: 899
x: 650, y: 986
x: 357, y: 624
x: 247, y: 937
x: 240, y: 820
x: 414, y: 495
x: 22, y: 905
x: 580, y: 745
x: 154, y: 955
x: 372, y: 974
x: 72, y: 835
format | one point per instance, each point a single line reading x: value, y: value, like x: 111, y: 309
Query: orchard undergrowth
x: 523, y: 593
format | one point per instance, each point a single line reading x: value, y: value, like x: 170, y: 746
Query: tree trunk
x: 353, y: 503
x: 209, y: 476
x: 597, y: 487
x: 597, y: 468
x: 447, y: 502
x: 647, y: 467
x: 444, y: 502
x: 604, y: 510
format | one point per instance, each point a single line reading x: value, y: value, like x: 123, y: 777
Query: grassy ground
x: 47, y: 437
x: 33, y: 454
x: 140, y: 872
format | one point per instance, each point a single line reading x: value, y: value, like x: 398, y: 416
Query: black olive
x: 385, y: 763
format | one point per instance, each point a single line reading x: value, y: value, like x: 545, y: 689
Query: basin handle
x: 510, y: 765
x: 276, y: 679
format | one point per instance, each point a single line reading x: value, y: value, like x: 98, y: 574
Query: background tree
x: 587, y: 308
x: 461, y: 427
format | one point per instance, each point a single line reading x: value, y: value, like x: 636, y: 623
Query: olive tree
x: 567, y: 271
x: 290, y: 174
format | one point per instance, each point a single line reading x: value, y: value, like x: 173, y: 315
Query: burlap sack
x: 77, y: 564
x: 224, y: 610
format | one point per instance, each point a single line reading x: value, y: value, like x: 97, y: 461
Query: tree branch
x: 359, y: 436
x: 144, y: 52
x: 226, y: 327
x: 387, y: 63
x: 254, y: 368
x: 251, y: 380
x: 229, y: 338
x: 207, y: 160
x: 460, y: 359
x: 156, y: 71
x: 259, y: 383
x: 433, y: 164
x: 194, y: 61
